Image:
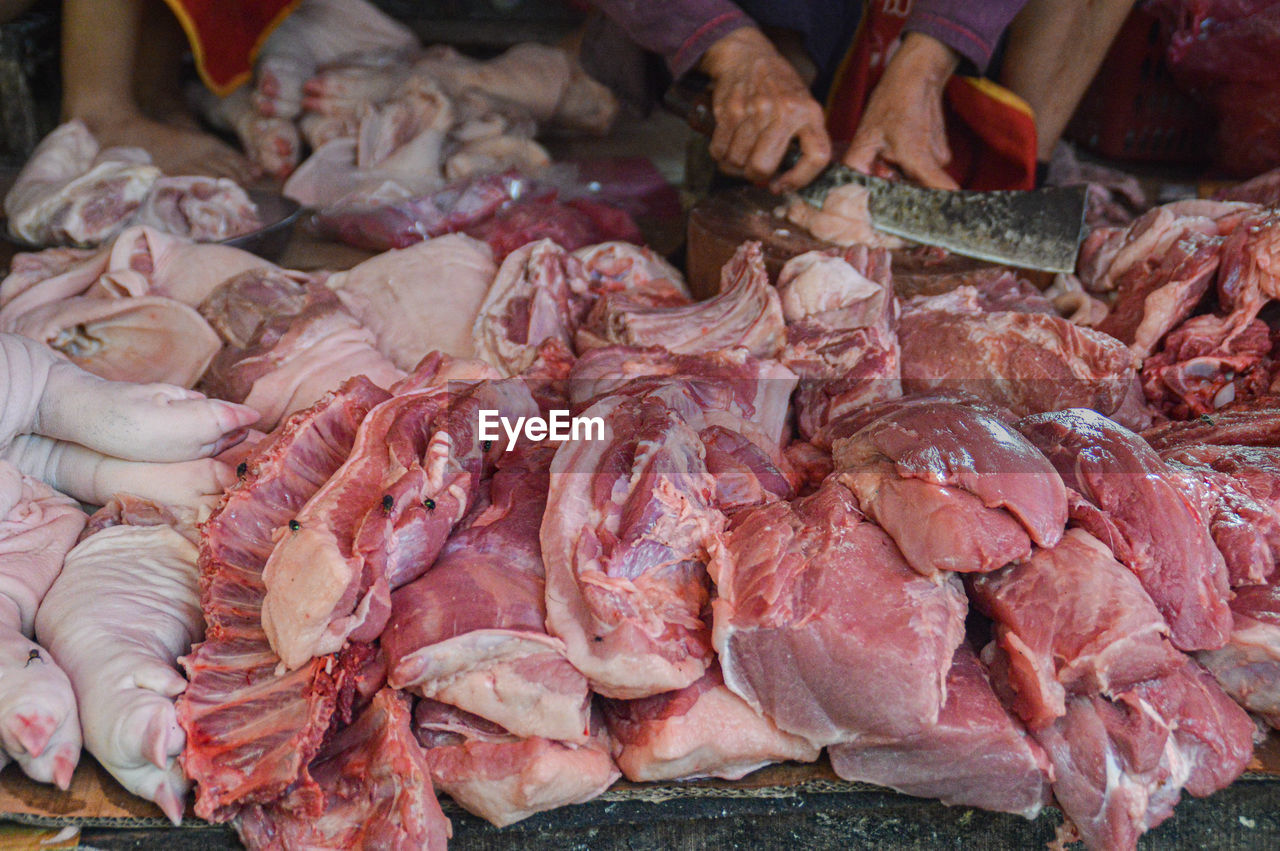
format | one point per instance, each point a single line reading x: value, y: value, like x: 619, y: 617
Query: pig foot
x: 137, y: 422
x: 39, y: 727
x: 94, y: 478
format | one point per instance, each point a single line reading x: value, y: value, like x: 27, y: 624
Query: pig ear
x: 144, y: 340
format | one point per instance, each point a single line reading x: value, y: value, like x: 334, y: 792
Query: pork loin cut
x: 381, y: 519
x: 1120, y: 765
x: 505, y: 778
x: 1131, y: 500
x: 822, y: 626
x: 745, y: 313
x: 1073, y: 620
x: 1029, y: 362
x: 977, y: 755
x: 626, y: 547
x: 472, y: 633
x: 124, y: 608
x: 1248, y: 667
x: 682, y: 735
x: 955, y: 488
x: 233, y: 675
x: 375, y: 786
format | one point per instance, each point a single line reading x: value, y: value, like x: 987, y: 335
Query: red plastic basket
x: 1133, y: 110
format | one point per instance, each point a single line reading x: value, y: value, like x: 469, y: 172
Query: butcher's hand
x: 137, y: 422
x: 761, y: 104
x: 903, y: 125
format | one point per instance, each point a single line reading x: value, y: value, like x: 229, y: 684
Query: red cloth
x: 991, y: 132
x: 226, y: 35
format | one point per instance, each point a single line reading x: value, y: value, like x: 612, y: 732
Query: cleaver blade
x: 1037, y: 229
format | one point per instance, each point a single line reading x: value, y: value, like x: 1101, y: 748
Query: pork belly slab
x: 1071, y: 619
x: 704, y: 730
x: 376, y: 789
x: 1248, y: 667
x: 977, y: 755
x: 381, y: 519
x: 471, y: 632
x: 1120, y: 765
x: 821, y: 624
x: 626, y: 550
x: 955, y: 488
x: 251, y: 732
x: 1131, y: 500
x: 504, y: 778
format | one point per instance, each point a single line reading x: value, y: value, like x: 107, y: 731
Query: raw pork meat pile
x: 948, y: 538
x: 72, y: 193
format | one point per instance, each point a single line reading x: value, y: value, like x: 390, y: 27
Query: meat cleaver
x: 1038, y: 229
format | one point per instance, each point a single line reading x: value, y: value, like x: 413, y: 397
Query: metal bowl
x: 278, y: 214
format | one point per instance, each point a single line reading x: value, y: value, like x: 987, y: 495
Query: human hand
x: 902, y: 125
x: 760, y: 103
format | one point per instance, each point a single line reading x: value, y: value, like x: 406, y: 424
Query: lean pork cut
x: 977, y: 755
x: 1129, y: 498
x: 681, y: 735
x: 504, y: 778
x: 955, y: 488
x: 1248, y: 667
x: 1070, y: 620
x: 821, y: 625
x: 1029, y: 362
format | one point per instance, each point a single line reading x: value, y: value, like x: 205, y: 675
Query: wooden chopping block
x: 719, y: 223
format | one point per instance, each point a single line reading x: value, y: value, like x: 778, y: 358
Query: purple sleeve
x: 969, y: 27
x: 679, y: 30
